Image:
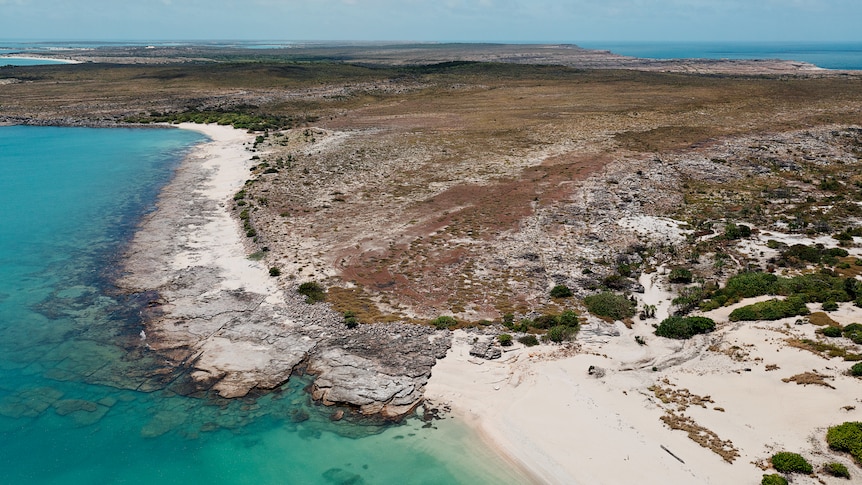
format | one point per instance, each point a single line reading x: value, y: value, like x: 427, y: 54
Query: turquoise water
x: 18, y: 61
x: 70, y: 358
x: 828, y: 55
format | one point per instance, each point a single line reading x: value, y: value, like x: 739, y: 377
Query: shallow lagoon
x: 71, y: 359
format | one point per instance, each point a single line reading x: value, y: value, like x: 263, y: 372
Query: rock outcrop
x: 216, y: 322
x: 485, y: 349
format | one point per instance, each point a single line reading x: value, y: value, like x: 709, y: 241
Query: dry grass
x: 682, y: 399
x: 810, y: 378
x: 702, y: 436
x: 821, y: 319
x: 823, y: 349
x: 442, y: 164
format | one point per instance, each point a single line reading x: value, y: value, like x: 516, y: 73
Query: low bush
x: 561, y: 333
x: 444, y: 322
x: 774, y: 479
x: 274, y: 271
x: 832, y: 332
x: 611, y: 305
x: 787, y: 462
x: 350, y: 320
x: 856, y: 370
x: 505, y: 339
x: 853, y: 332
x: 680, y: 275
x: 312, y: 291
x: 682, y: 328
x: 836, y: 470
x: 545, y: 321
x: 561, y: 291
x: 846, y: 437
x: 733, y: 231
x: 529, y: 340
x: 829, y: 306
x: 770, y: 310
x: 569, y: 318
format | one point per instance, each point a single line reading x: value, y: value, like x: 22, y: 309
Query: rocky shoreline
x: 220, y: 325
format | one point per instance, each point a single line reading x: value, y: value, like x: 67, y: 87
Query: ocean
x: 24, y: 61
x: 72, y: 371
x: 828, y: 55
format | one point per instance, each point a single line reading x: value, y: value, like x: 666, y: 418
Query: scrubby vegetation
x: 787, y: 462
x: 350, y: 320
x: 836, y: 470
x: 823, y: 286
x: 684, y: 327
x: 800, y: 255
x: 832, y: 332
x: 505, y: 340
x: 770, y: 310
x: 680, y: 275
x: 238, y: 118
x: 444, y: 322
x: 733, y: 231
x: 561, y: 291
x: 773, y: 479
x: 853, y: 332
x: 561, y: 333
x: 856, y: 370
x: 567, y: 318
x: 274, y: 271
x: 529, y: 340
x: 846, y: 437
x: 312, y: 291
x: 610, y: 305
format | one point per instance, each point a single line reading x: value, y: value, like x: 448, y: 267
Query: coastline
x: 541, y: 407
x: 52, y: 59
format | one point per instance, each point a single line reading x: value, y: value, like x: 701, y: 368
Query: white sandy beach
x: 219, y: 242
x: 540, y: 405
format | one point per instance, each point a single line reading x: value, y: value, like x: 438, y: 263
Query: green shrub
x: 787, y: 462
x: 733, y: 231
x: 774, y: 479
x: 561, y: 291
x: 546, y: 321
x: 529, y: 340
x: 312, y: 291
x: 853, y: 332
x: 443, y: 322
x: 680, y: 275
x: 611, y: 305
x: 350, y: 319
x: 846, y: 437
x: 561, y: 333
x: 770, y: 310
x: 747, y: 285
x: 836, y: 470
x: 569, y: 318
x: 684, y: 327
x: 832, y: 332
x: 829, y: 306
x: 274, y: 271
x: 505, y: 339
x: 856, y: 370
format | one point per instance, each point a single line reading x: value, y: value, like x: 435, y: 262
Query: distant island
x: 618, y: 269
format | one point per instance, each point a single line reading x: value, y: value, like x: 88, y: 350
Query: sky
x: 434, y: 20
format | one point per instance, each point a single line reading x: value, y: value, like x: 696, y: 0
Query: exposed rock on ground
x: 485, y: 349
